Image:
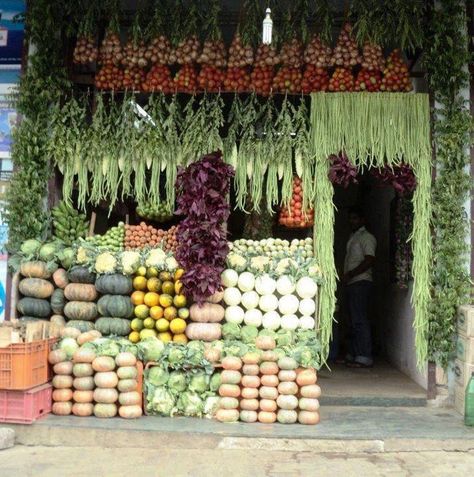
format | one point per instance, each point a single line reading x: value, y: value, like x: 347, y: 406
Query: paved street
x: 22, y: 461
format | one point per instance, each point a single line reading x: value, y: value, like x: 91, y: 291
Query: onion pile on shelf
x: 293, y: 216
x: 213, y: 60
x: 240, y: 57
x: 368, y: 80
x: 314, y: 79
x: 317, y: 53
x: 187, y: 51
x: 134, y: 54
x: 185, y: 80
x: 372, y: 57
x: 109, y: 77
x: 346, y: 52
x: 158, y: 79
x: 291, y: 54
x: 261, y: 80
x: 158, y: 51
x: 289, y: 77
x: 133, y: 78
x: 266, y: 56
x: 396, y: 77
x: 85, y: 50
x: 110, y: 52
x: 341, y: 80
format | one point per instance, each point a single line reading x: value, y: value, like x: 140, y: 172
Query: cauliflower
x: 156, y: 258
x: 105, y: 263
x: 314, y: 270
x: 130, y: 262
x: 236, y: 262
x: 284, y: 266
x: 82, y: 256
x: 259, y: 264
x: 171, y: 264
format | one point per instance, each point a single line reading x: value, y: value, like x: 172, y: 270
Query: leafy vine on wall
x: 446, y: 61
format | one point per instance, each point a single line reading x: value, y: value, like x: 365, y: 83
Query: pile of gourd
x: 114, y: 306
x: 206, y: 319
x: 86, y: 384
x: 80, y: 310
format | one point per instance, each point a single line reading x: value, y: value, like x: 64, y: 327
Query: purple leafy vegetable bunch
x: 342, y: 172
x: 202, y: 190
x: 401, y: 178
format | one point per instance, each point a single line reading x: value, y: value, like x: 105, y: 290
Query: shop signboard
x: 12, y: 32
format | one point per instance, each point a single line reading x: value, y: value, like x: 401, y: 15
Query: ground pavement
x: 22, y: 461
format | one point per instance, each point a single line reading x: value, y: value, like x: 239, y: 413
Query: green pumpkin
x: 58, y: 301
x: 82, y: 326
x: 80, y: 310
x: 36, y: 288
x: 34, y: 307
x: 114, y: 284
x: 115, y: 305
x: 113, y: 326
x: 79, y: 274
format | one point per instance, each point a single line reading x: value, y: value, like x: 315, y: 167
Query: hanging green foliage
x: 373, y: 130
x: 446, y: 61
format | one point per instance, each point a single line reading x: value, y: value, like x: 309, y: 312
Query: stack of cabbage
x: 80, y: 310
x: 182, y: 383
x: 114, y: 306
x: 261, y: 289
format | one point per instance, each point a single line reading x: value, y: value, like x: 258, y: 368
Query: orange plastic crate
x: 24, y: 407
x: 25, y: 365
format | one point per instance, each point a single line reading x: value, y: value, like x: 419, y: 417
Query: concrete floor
x: 382, y: 385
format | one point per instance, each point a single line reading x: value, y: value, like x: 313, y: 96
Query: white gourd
x: 306, y: 287
x: 265, y: 285
x: 250, y: 300
x: 288, y: 305
x: 246, y: 282
x: 271, y: 320
x: 289, y: 322
x: 307, y: 307
x: 307, y: 323
x: 253, y: 317
x: 229, y: 278
x: 234, y: 314
x: 285, y: 285
x: 268, y: 303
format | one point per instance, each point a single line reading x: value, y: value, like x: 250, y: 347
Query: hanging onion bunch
x: 291, y: 54
x: 318, y: 53
x: 341, y: 80
x: 109, y: 77
x: 240, y: 55
x: 110, y: 52
x: 186, y: 52
x: 86, y: 50
x: 314, y: 79
x: 133, y: 78
x: 266, y: 56
x: 158, y: 79
x: 134, y: 51
x: 396, y: 76
x: 185, y: 80
x: 372, y: 57
x: 346, y: 52
x: 159, y: 46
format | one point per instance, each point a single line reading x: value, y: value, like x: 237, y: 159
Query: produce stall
x: 163, y: 136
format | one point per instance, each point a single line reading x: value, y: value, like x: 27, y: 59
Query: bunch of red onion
x: 134, y: 54
x: 85, y: 51
x: 341, y: 80
x: 109, y: 77
x: 211, y: 78
x: 342, y: 172
x: 133, y: 78
x: 317, y: 53
x: 261, y: 80
x: 266, y: 56
x: 185, y: 80
x: 187, y: 51
x: 288, y: 80
x: 314, y: 79
x: 240, y: 55
x: 346, y: 52
x: 372, y: 57
x: 213, y: 53
x: 110, y: 52
x: 368, y: 80
x: 158, y: 79
x: 291, y: 54
x: 237, y: 80
x: 396, y: 76
x: 401, y: 178
x: 158, y: 51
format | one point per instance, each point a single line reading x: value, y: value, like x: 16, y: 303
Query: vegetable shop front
x: 185, y: 264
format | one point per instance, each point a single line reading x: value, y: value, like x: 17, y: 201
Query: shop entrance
x: 394, y: 376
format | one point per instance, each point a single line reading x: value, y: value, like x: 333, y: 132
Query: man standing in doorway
x: 358, y: 263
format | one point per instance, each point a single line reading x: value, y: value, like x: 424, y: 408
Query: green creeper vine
x: 446, y: 61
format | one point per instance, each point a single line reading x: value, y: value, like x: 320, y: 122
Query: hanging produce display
x: 396, y: 76
x: 86, y: 51
x: 342, y: 172
x: 294, y: 215
x: 68, y: 224
x: 346, y: 52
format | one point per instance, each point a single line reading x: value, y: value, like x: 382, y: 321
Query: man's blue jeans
x: 358, y: 295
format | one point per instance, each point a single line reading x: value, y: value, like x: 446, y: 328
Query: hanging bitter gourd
x: 69, y: 225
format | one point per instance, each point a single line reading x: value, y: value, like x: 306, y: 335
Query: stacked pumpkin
x: 206, y: 319
x: 81, y: 295
x: 114, y: 306
x: 36, y: 290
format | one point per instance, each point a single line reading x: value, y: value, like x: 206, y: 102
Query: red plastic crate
x: 24, y: 407
x: 25, y: 365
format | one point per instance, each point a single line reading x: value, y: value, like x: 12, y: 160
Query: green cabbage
x: 231, y: 331
x: 176, y: 356
x: 249, y: 333
x: 211, y: 406
x: 150, y: 349
x: 108, y: 347
x: 157, y: 376
x: 199, y: 383
x: 66, y: 257
x: 267, y: 332
x: 69, y: 345
x: 48, y: 251
x: 177, y: 382
x: 163, y: 401
x: 215, y: 382
x: 235, y: 348
x: 190, y: 404
x: 30, y: 247
x: 284, y: 337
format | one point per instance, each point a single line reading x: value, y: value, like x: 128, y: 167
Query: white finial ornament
x: 267, y: 28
